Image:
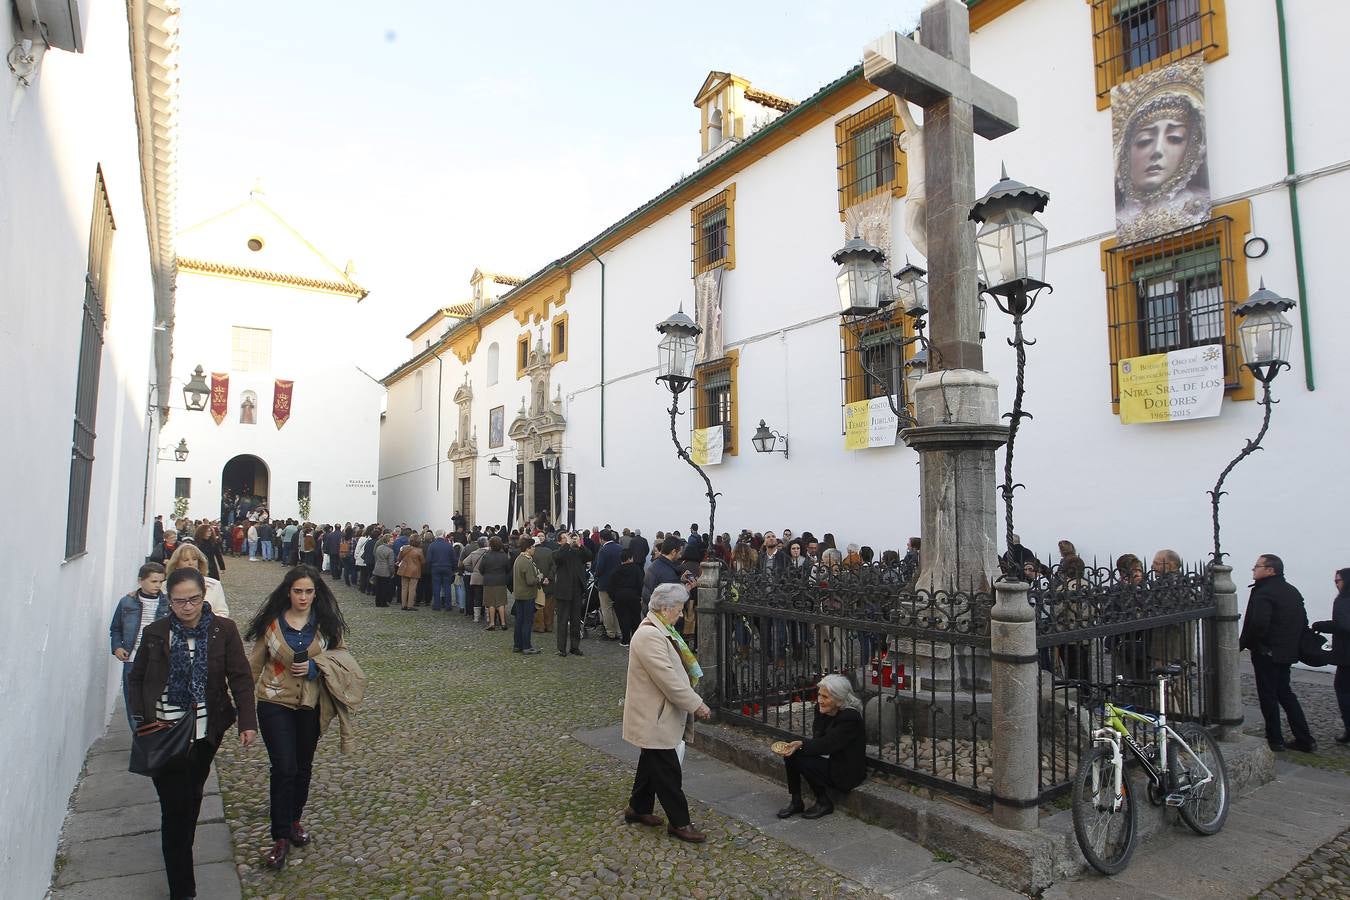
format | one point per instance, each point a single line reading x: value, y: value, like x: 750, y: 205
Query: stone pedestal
x: 1227, y: 657
x: 1016, y: 756
x: 709, y: 638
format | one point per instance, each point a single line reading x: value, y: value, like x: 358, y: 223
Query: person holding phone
x: 299, y: 622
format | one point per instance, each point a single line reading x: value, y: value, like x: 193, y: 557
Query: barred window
x: 101, y: 228
x: 1130, y: 37
x: 1179, y: 291
x: 182, y: 487
x: 715, y: 398
x: 868, y: 159
x: 250, y: 349
x: 873, y: 355
x: 713, y: 225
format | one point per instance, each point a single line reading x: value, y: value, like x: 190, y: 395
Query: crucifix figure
x: 935, y: 75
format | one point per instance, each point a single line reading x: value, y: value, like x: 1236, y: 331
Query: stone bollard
x: 1016, y: 697
x: 708, y: 628
x: 1227, y: 656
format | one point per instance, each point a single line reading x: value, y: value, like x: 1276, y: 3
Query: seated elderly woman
x: 835, y: 758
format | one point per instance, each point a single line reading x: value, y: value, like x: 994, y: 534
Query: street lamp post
x: 1012, y: 242
x: 550, y: 460
x: 675, y: 363
x: 1264, y: 335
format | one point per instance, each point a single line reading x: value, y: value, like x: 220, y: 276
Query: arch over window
x: 494, y: 358
x: 248, y: 408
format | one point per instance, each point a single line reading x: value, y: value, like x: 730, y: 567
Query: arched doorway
x: 245, y: 479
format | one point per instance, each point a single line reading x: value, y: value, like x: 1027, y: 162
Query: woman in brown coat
x: 410, y: 564
x: 184, y: 665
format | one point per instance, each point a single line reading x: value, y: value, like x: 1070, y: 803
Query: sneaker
x: 530, y: 651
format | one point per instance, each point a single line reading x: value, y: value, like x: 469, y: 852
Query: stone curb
x: 1024, y: 861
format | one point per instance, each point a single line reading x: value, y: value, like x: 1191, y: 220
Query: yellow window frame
x: 724, y: 199
x: 1108, y: 49
x: 556, y: 326
x: 703, y: 410
x: 848, y: 171
x: 522, y: 354
x: 1228, y: 227
x: 855, y: 379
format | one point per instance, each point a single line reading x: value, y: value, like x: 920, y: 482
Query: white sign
x: 869, y: 423
x: 1169, y: 387
x: 706, y: 448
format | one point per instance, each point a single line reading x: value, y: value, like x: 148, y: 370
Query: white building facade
x: 86, y: 207
x: 291, y: 423
x: 755, y: 227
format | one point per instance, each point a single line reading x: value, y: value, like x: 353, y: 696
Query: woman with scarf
x: 662, y: 673
x: 183, y: 666
x: 1338, y: 626
x: 298, y: 624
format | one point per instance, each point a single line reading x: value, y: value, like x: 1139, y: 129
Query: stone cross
x: 936, y: 76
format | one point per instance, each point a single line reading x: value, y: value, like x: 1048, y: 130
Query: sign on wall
x: 706, y: 448
x: 1161, y: 159
x: 1169, y: 387
x: 869, y: 423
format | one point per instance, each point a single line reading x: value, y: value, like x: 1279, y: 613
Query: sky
x: 423, y: 139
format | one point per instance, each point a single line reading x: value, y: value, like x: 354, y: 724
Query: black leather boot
x: 794, y: 807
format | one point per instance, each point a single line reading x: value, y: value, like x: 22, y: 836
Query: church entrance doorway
x: 244, y: 487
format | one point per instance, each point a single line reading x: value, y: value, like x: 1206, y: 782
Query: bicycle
x: 1184, y: 766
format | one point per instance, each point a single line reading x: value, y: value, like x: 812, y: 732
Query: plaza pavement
x: 479, y: 772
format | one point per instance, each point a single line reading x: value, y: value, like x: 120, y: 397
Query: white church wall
x: 58, y: 683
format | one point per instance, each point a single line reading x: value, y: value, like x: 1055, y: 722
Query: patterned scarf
x: 187, y: 672
x: 687, y: 656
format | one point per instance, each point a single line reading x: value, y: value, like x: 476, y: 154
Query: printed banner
x: 511, y: 503
x: 281, y: 401
x: 708, y: 315
x: 557, y: 511
x: 220, y: 395
x: 706, y: 448
x: 869, y: 423
x: 520, y: 495
x: 1161, y: 161
x: 1167, y: 387
x: 571, y: 500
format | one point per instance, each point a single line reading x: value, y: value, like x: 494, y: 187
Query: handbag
x: 1312, y: 649
x: 156, y: 744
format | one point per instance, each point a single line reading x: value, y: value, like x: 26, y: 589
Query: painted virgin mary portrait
x: 1158, y: 136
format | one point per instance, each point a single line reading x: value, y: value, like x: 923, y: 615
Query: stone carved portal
x: 538, y: 425
x: 463, y: 452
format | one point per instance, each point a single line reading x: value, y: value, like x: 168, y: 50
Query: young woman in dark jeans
x: 300, y: 616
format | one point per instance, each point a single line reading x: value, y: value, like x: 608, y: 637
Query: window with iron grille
x: 1179, y: 291
x: 182, y: 487
x: 1130, y: 37
x: 873, y: 354
x: 869, y: 162
x: 713, y: 223
x: 302, y: 490
x: 715, y: 398
x: 101, y: 227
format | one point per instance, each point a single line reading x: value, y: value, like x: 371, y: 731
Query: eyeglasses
x: 187, y: 601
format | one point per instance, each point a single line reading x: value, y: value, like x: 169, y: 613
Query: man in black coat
x: 1271, y: 628
x: 569, y: 590
x: 642, y: 549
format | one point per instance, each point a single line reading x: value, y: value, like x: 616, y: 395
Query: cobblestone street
x: 1318, y: 699
x: 466, y: 781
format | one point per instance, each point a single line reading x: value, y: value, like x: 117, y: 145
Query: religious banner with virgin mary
x: 281, y: 401
x: 708, y: 315
x: 1161, y: 162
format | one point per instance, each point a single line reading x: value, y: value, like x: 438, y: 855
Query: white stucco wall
x: 58, y: 680
x: 332, y: 436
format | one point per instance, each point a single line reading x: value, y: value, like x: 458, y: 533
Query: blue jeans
x: 126, y: 692
x: 290, y: 736
x: 441, y: 579
x: 524, y: 612
x: 252, y: 549
x: 267, y: 550
x: 460, y: 590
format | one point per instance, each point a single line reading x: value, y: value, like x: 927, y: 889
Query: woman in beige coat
x: 660, y: 695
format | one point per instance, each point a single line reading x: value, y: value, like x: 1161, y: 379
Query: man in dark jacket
x: 642, y: 550
x: 441, y: 559
x: 332, y: 543
x: 543, y: 561
x: 625, y: 588
x: 665, y: 569
x: 1271, y: 627
x: 569, y: 590
x: 606, y: 561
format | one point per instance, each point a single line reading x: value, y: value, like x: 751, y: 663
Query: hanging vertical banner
x: 511, y: 502
x: 520, y: 494
x: 706, y: 448
x: 220, y: 395
x: 557, y: 511
x: 281, y: 401
x: 1161, y: 160
x: 708, y: 315
x: 571, y: 500
x: 1168, y: 387
x: 869, y: 423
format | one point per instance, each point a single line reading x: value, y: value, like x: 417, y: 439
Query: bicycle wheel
x: 1106, y: 835
x: 1206, y: 805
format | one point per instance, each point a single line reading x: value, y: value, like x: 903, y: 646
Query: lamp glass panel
x: 1265, y: 335
x: 1011, y: 245
x: 859, y: 281
x: 763, y: 441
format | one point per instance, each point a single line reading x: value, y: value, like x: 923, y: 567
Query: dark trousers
x: 291, y: 736
x: 384, y: 589
x: 349, y: 571
x: 626, y: 611
x: 179, y: 785
x: 1343, y: 694
x: 335, y: 567
x: 569, y: 625
x: 423, y: 592
x: 1272, y: 689
x: 288, y: 553
x: 442, y: 588
x: 363, y: 579
x: 816, y: 771
x: 524, y: 613
x: 659, y: 776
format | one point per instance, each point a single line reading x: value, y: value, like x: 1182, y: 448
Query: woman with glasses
x: 299, y: 624
x: 183, y: 667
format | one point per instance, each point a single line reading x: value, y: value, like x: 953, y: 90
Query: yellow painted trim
x: 262, y: 276
x: 522, y: 354
x: 1233, y: 222
x: 1108, y: 69
x: 731, y: 363
x: 986, y: 11
x: 532, y: 305
x: 700, y: 211
x: 559, y: 321
x: 464, y: 344
x: 844, y: 129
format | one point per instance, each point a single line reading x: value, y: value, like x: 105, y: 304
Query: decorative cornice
x: 772, y: 101
x: 203, y: 267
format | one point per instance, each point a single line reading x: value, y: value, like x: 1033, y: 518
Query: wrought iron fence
x: 919, y: 660
x: 1098, y: 624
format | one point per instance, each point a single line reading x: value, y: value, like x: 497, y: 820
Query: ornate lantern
x: 912, y: 289
x: 675, y: 352
x: 495, y: 467
x: 1264, y: 332
x: 862, y: 274
x: 1011, y: 241
x: 549, y: 458
x: 180, y: 452
x: 195, y: 392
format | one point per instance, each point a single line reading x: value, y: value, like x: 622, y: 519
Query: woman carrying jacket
x: 410, y: 563
x: 383, y: 569
x: 1338, y: 626
x: 493, y: 568
x: 147, y: 604
x: 184, y: 665
x: 300, y: 618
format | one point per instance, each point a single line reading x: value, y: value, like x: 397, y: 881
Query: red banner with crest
x: 220, y: 395
x: 281, y: 401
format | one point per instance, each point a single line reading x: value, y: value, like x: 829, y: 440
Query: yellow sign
x: 869, y: 423
x: 1169, y: 387
x: 706, y: 447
